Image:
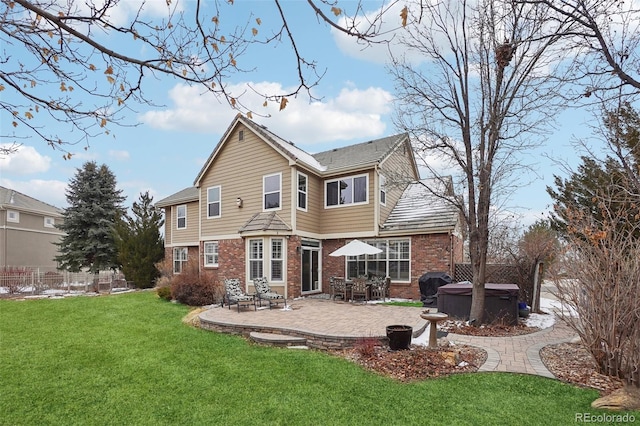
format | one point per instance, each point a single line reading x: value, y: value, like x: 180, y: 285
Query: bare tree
x: 84, y: 64
x: 601, y: 285
x: 603, y: 44
x: 483, y: 95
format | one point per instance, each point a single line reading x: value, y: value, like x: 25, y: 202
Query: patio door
x: 310, y: 266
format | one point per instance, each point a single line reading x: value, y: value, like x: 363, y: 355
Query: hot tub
x: 500, y: 303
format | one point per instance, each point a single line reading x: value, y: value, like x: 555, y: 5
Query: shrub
x: 366, y: 347
x: 164, y: 292
x: 190, y: 288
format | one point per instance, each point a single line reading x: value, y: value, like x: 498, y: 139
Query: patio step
x: 277, y: 339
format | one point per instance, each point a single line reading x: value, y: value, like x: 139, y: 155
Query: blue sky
x: 165, y: 151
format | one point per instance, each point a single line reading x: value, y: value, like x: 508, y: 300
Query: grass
x: 128, y: 359
x: 404, y: 303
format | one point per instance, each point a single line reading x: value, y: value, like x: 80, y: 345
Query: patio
x: 322, y: 323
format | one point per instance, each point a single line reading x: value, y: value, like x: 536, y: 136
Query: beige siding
x: 239, y: 169
x: 168, y: 225
x: 190, y: 234
x: 29, y: 243
x: 349, y: 218
x: 310, y: 220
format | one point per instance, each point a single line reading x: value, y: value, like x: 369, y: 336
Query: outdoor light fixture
x: 239, y: 202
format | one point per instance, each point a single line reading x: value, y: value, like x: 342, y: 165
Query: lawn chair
x: 359, y: 289
x: 264, y: 292
x: 338, y: 288
x: 235, y: 296
x: 379, y: 288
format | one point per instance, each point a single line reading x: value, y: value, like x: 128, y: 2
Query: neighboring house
x: 260, y: 206
x: 27, y: 231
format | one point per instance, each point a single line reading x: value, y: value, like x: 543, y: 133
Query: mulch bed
x: 569, y: 362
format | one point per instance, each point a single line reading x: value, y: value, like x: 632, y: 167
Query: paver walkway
x: 518, y: 354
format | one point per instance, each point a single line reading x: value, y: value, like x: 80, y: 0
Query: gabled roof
x: 360, y: 155
x: 356, y: 156
x: 419, y: 209
x: 184, y: 196
x: 285, y: 148
x: 11, y: 199
x: 267, y: 221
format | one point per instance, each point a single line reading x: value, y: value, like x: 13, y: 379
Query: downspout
x: 376, y: 201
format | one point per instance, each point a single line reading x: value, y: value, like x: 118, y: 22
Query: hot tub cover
x: 464, y: 288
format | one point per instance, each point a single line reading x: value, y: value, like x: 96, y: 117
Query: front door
x: 310, y: 267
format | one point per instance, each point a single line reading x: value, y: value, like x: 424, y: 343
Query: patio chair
x: 264, y: 292
x: 235, y: 296
x: 360, y: 289
x: 338, y: 288
x: 379, y: 288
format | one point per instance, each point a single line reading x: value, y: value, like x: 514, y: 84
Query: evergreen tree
x: 140, y: 245
x: 94, y: 205
x: 615, y: 180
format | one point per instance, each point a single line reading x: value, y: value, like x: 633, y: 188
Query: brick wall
x: 429, y: 253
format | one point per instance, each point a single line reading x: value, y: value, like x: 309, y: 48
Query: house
x: 28, y: 231
x: 261, y: 206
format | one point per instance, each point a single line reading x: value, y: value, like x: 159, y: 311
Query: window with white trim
x: 302, y: 191
x: 394, y: 261
x: 181, y: 217
x: 13, y: 216
x: 256, y: 256
x: 213, y: 202
x: 180, y: 256
x: 345, y: 191
x: 277, y: 259
x: 383, y: 190
x: 211, y: 253
x: 49, y: 222
x: 271, y: 189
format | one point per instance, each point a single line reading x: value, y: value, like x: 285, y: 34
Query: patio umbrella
x: 355, y: 248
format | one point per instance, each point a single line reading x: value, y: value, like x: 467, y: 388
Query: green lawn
x: 128, y: 359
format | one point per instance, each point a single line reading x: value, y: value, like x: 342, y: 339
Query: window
x: 277, y: 259
x: 348, y: 190
x: 211, y: 253
x: 394, y: 261
x: 383, y: 190
x: 255, y: 259
x: 13, y: 216
x: 271, y: 191
x: 49, y: 222
x: 213, y: 202
x: 179, y: 259
x: 302, y: 191
x: 241, y: 135
x: 182, y: 217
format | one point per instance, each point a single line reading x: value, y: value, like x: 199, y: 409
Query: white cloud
x: 352, y: 114
x: 119, y: 155
x: 48, y: 191
x: 25, y: 161
x: 389, y: 27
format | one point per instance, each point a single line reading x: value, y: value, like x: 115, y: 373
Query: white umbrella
x: 355, y: 248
